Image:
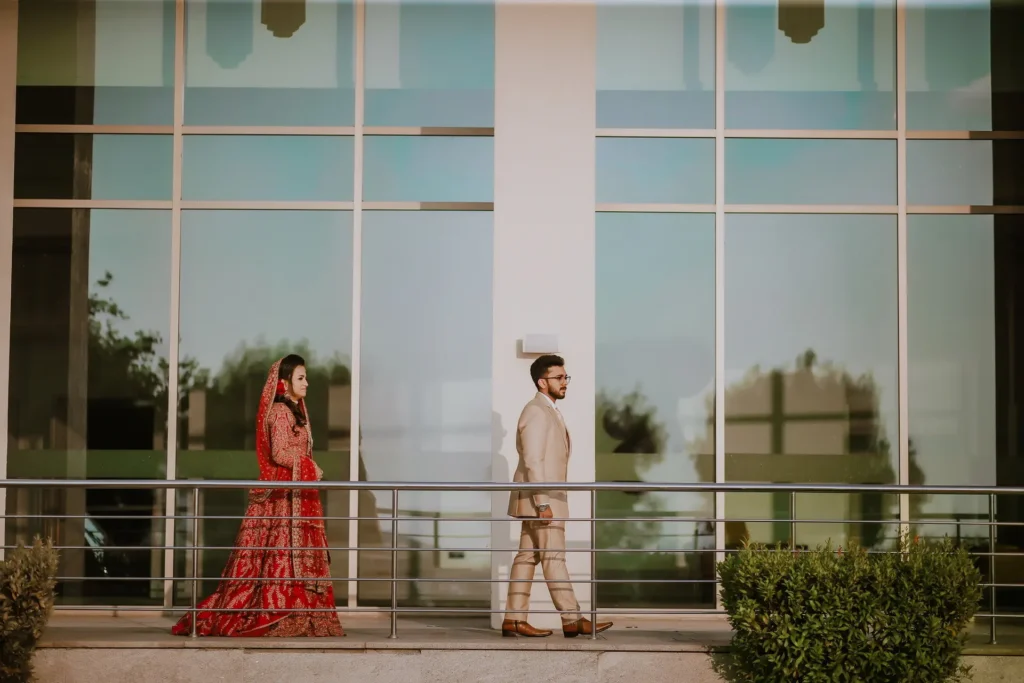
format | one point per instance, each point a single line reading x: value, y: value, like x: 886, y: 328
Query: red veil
x: 280, y: 563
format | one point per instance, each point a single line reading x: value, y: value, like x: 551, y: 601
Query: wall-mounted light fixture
x: 539, y: 344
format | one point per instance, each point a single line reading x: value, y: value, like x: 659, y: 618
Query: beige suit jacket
x: 544, y: 446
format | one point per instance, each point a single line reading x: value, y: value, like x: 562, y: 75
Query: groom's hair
x: 540, y: 367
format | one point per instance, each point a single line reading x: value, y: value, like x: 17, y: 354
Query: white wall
x: 544, y: 200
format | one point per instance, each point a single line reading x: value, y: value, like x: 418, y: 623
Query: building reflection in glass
x: 88, y: 392
x: 283, y: 17
x: 801, y: 20
x: 229, y: 32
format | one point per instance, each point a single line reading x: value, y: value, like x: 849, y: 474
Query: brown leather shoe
x: 515, y: 629
x: 584, y: 627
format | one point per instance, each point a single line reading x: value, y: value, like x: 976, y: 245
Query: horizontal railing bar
x: 441, y: 580
x: 383, y: 610
x: 482, y: 487
x: 180, y: 579
x: 424, y: 518
x: 425, y: 610
x: 401, y: 549
x: 408, y: 579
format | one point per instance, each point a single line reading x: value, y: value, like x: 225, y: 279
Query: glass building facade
x: 778, y: 241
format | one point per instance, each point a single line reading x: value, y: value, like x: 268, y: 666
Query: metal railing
x: 395, y: 515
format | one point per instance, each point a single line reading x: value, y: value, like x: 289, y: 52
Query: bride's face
x: 298, y: 385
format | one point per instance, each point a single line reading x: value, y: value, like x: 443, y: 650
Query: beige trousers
x: 544, y: 544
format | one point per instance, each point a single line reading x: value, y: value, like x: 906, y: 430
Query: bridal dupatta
x: 280, y: 563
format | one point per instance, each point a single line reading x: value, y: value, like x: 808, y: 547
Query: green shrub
x: 27, y: 582
x: 834, y: 615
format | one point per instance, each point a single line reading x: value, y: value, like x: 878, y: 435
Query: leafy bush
x: 835, y: 615
x: 27, y: 582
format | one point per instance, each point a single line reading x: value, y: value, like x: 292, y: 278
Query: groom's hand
x: 545, y: 514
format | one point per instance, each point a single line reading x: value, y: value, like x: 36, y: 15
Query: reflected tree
x: 231, y: 397
x: 821, y: 424
x: 629, y: 432
x: 630, y: 440
x: 131, y: 365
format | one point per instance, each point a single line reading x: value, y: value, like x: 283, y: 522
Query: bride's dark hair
x: 284, y: 373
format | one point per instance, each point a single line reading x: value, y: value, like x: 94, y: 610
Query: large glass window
x: 656, y: 64
x: 428, y: 169
x: 963, y: 172
x: 655, y: 381
x: 429, y: 63
x: 949, y: 64
x: 262, y: 168
x: 655, y: 171
x: 811, y: 65
x: 811, y: 390
x: 90, y: 311
x: 83, y: 166
x: 951, y: 325
x: 809, y: 306
x: 107, y: 62
x: 286, y: 287
x: 810, y: 171
x: 250, y: 63
x: 425, y: 397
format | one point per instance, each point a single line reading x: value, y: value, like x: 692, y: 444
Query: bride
x: 280, y: 564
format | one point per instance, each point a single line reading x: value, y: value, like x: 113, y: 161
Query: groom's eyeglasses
x: 559, y: 378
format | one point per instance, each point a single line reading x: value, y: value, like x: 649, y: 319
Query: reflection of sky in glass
x: 948, y: 172
x: 655, y: 295
x: 265, y: 277
x: 810, y: 171
x: 828, y: 283
x: 425, y: 387
x: 134, y: 247
x: 429, y: 63
x: 239, y: 73
x: 949, y: 78
x: 261, y: 168
x: 136, y: 167
x: 787, y: 67
x: 432, y: 64
x: 656, y: 64
x: 653, y: 170
x: 656, y: 317
x: 951, y: 354
x: 435, y: 169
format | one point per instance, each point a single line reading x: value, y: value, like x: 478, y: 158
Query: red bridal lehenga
x: 280, y: 563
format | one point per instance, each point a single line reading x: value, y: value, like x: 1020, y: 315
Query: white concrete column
x: 8, y: 83
x: 544, y: 201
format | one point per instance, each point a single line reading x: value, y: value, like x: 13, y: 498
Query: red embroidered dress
x: 273, y: 543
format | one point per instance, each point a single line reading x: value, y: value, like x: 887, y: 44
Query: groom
x: 543, y: 442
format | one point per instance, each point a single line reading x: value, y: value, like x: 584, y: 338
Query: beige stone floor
x: 370, y: 632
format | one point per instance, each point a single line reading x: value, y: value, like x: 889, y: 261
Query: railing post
x: 792, y: 521
x: 394, y: 564
x: 195, y: 561
x: 593, y: 564
x: 992, y: 566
